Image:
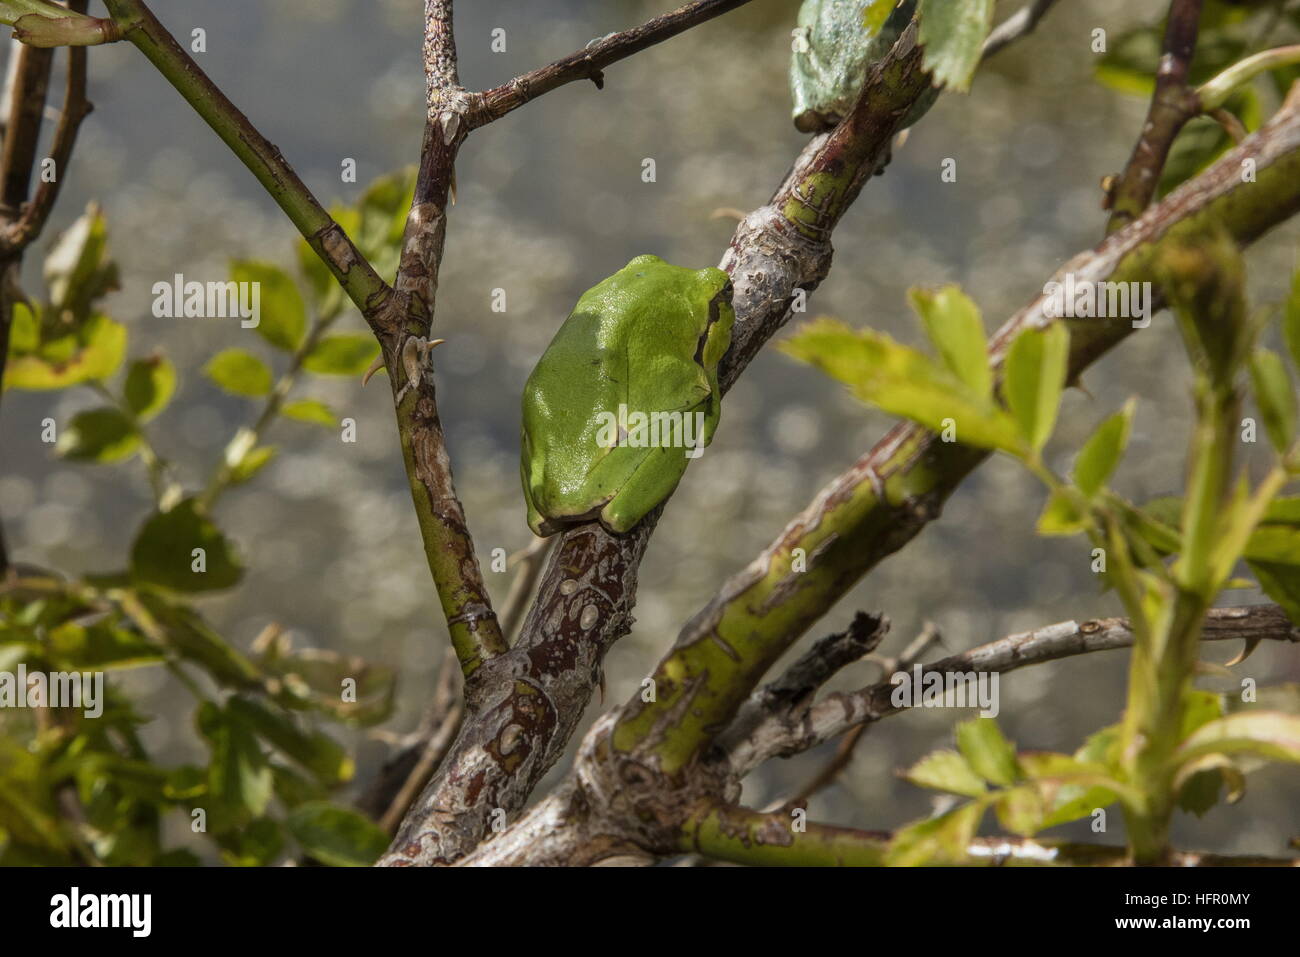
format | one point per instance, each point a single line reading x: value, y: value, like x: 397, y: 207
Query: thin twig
x: 76, y: 108
x: 589, y: 62
x: 1019, y: 24
x: 784, y: 734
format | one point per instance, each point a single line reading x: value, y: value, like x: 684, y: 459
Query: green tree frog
x: 625, y: 395
x: 835, y: 44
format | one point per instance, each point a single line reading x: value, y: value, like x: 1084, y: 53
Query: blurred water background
x: 550, y: 201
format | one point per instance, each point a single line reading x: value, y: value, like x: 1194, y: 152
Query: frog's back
x: 600, y: 359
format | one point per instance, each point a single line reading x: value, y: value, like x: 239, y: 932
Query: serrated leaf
x: 988, y: 752
x: 1101, y: 453
x: 99, y: 435
x: 94, y: 353
x: 282, y: 314
x: 336, y: 835
x: 310, y: 410
x: 904, y: 382
x: 1274, y: 396
x: 952, y: 321
x: 240, y: 373
x: 937, y: 840
x: 164, y: 552
x: 945, y: 771
x: 150, y: 384
x: 1021, y: 810
x: 1035, y: 376
x: 1269, y: 734
x: 953, y: 35
x: 344, y: 354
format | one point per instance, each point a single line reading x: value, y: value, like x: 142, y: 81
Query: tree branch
x: 589, y: 62
x: 884, y: 499
x: 795, y: 730
x: 27, y: 90
x: 1172, y: 105
x: 17, y: 235
x: 516, y: 731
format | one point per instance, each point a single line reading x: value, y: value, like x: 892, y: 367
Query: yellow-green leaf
x: 239, y: 372
x: 952, y: 321
x: 1101, y: 453
x: 1035, y: 376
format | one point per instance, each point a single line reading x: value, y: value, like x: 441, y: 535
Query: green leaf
x: 1200, y: 708
x: 1291, y: 320
x: 1274, y: 543
x: 315, y: 751
x: 952, y: 321
x: 1060, y: 517
x: 310, y: 410
x: 942, y: 839
x: 77, y: 269
x: 1035, y: 376
x: 904, y: 382
x: 1269, y: 734
x: 1274, y: 396
x: 100, y: 435
x: 953, y: 35
x: 1071, y: 788
x: 1282, y: 584
x: 988, y: 752
x: 344, y: 354
x: 239, y: 372
x: 254, y: 461
x: 255, y: 844
x: 1021, y: 810
x: 945, y: 771
x: 875, y: 14
x: 239, y: 776
x: 283, y: 316
x: 92, y: 354
x: 336, y: 835
x: 164, y: 552
x: 1101, y: 453
x: 102, y: 644
x: 188, y: 635
x: 150, y: 383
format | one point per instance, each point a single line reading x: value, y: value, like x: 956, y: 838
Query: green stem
x: 248, y: 437
x: 1215, y: 92
x: 155, y: 464
x: 744, y: 836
